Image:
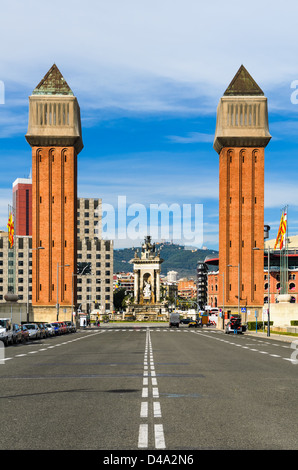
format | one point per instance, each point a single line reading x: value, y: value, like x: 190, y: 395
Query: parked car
x: 43, y: 333
x: 49, y: 329
x: 34, y: 331
x: 71, y: 327
x: 6, y: 333
x: 16, y: 333
x: 57, y: 328
x: 25, y: 333
x: 63, y: 327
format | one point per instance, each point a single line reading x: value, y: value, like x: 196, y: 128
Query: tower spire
x: 53, y: 83
x: 243, y: 84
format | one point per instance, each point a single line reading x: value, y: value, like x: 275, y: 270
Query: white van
x: 6, y: 332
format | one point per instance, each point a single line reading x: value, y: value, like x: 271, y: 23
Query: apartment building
x: 94, y: 277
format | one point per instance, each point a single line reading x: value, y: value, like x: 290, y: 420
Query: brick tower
x: 54, y: 133
x: 240, y: 138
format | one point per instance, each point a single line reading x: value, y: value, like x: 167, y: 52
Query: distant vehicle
x: 195, y: 324
x: 235, y: 325
x: 174, y: 320
x: 6, y: 331
x: 185, y: 321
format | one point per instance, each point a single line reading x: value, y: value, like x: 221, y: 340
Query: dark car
x: 16, y: 333
x: 235, y: 325
x: 186, y: 321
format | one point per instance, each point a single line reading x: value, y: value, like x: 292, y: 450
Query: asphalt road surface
x: 142, y: 388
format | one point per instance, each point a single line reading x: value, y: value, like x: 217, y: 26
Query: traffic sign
x: 243, y: 309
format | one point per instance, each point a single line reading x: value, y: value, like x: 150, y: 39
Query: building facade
x: 22, y: 203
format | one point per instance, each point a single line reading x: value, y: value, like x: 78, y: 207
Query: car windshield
x: 3, y: 323
x: 31, y: 327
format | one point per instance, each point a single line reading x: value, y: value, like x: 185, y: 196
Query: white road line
x: 143, y: 436
x: 144, y: 409
x: 156, y: 409
x: 155, y: 392
x: 159, y: 436
x: 145, y: 392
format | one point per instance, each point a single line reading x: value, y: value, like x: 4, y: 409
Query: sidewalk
x: 277, y: 336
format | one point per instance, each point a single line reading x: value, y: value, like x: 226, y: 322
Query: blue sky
x: 148, y: 77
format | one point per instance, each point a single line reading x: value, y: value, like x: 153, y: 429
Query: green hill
x: 176, y: 258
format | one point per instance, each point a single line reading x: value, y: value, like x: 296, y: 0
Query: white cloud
x: 191, y: 138
x: 121, y: 54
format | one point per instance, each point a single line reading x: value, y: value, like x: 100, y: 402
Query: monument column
x: 241, y: 135
x: 54, y: 133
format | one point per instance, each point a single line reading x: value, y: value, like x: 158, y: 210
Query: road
x: 142, y: 388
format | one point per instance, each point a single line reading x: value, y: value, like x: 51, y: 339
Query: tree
x: 118, y: 298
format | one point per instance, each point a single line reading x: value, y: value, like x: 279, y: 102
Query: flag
x: 10, y: 227
x: 279, y: 242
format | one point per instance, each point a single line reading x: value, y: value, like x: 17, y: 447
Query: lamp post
x: 38, y: 248
x: 59, y: 266
x: 237, y: 266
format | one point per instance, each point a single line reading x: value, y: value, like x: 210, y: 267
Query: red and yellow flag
x: 279, y: 242
x: 10, y: 227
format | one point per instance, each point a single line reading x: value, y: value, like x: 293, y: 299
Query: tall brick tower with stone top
x: 54, y: 133
x: 240, y: 139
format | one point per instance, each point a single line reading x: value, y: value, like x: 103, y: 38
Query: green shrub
x: 294, y: 322
x: 251, y: 325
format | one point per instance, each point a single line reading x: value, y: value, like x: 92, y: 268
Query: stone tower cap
x: 243, y: 85
x: 54, y: 113
x: 53, y: 83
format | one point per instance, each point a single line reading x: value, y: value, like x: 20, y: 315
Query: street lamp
x: 59, y: 266
x: 38, y: 248
x: 237, y: 266
x: 268, y: 251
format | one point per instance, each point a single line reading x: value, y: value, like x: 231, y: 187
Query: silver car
x: 50, y: 329
x: 34, y: 331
